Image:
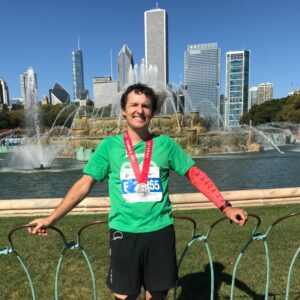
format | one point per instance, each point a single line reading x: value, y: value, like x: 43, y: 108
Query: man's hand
x: 39, y: 226
x: 236, y: 215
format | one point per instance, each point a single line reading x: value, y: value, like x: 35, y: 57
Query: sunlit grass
x: 226, y: 240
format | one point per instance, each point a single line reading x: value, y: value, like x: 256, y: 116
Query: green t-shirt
x: 128, y: 211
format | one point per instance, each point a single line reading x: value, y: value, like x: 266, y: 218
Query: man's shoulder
x: 110, y: 142
x: 113, y: 139
x: 162, y: 138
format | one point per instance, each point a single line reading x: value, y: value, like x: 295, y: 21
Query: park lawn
x: 225, y: 241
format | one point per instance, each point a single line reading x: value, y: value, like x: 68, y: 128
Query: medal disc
x: 143, y: 190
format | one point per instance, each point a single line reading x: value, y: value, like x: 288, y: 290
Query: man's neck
x: 138, y: 136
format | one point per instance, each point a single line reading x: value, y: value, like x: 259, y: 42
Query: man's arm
x: 207, y: 187
x: 74, y: 196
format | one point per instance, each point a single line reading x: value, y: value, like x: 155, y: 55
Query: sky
x: 42, y: 35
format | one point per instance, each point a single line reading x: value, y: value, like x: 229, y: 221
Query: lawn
x: 225, y: 241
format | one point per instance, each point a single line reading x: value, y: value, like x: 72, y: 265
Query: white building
x: 105, y: 92
x: 156, y: 44
x: 264, y: 92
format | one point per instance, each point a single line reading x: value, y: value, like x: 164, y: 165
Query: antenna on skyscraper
x: 78, y: 43
x: 111, y: 65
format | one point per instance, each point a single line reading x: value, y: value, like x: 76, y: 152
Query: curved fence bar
x: 73, y: 246
x: 290, y: 274
x: 67, y: 246
x: 271, y: 227
x: 196, y: 238
x: 84, y: 253
x: 254, y: 236
x: 21, y: 259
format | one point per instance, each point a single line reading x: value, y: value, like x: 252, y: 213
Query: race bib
x: 129, y: 185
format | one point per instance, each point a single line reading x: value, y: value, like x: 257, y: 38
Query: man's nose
x: 139, y: 109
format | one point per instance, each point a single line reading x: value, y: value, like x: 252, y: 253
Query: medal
x: 142, y: 188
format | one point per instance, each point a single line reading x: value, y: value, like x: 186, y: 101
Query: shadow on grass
x: 197, y: 285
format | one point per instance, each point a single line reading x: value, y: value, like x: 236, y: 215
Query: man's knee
x: 130, y: 297
x: 161, y: 295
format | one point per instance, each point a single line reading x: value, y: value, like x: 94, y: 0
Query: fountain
x: 191, y: 131
x: 34, y: 153
x: 280, y: 136
x: 195, y: 133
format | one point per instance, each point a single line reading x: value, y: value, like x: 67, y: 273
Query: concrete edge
x: 26, y: 207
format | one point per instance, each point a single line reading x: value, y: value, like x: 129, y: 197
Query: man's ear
x: 123, y: 114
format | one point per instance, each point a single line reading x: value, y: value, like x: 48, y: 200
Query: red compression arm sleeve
x: 205, y: 185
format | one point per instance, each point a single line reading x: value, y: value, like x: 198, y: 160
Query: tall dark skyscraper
x: 156, y: 42
x: 77, y: 75
x: 237, y: 86
x: 125, y: 62
x: 4, y: 95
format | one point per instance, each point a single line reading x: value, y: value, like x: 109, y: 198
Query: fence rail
x: 195, y: 238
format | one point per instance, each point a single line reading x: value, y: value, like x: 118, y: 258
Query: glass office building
x: 237, y: 86
x: 125, y: 62
x: 202, y: 79
x: 4, y: 94
x: 77, y: 74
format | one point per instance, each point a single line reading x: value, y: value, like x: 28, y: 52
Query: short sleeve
x: 179, y: 161
x: 98, y: 165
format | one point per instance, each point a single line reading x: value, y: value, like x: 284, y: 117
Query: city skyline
x: 102, y: 28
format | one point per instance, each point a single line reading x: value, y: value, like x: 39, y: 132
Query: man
x: 137, y: 163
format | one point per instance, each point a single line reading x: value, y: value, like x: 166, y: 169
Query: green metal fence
x: 76, y: 245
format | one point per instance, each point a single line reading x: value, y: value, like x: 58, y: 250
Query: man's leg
x: 125, y: 297
x: 160, y: 267
x: 124, y: 278
x: 153, y: 295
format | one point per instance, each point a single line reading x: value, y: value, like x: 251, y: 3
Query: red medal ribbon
x: 141, y: 176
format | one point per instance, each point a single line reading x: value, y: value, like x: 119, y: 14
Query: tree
x: 291, y: 111
x: 269, y: 111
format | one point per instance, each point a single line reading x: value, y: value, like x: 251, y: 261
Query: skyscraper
x: 237, y: 86
x: 4, y: 95
x: 125, y: 62
x: 28, y: 83
x: 252, y: 96
x: 105, y: 92
x: 156, y: 42
x: 264, y: 92
x: 77, y: 74
x: 202, y: 79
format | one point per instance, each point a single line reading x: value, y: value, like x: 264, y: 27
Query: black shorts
x: 142, y: 260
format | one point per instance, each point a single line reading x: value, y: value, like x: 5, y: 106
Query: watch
x: 226, y: 204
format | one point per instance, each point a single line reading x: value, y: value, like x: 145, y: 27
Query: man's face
x: 138, y: 111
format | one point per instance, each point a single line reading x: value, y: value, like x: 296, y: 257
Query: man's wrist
x: 226, y: 205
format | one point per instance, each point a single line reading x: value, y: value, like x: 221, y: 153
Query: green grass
x: 226, y: 240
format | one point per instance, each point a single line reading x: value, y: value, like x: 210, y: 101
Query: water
x: 33, y: 153
x: 240, y: 171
